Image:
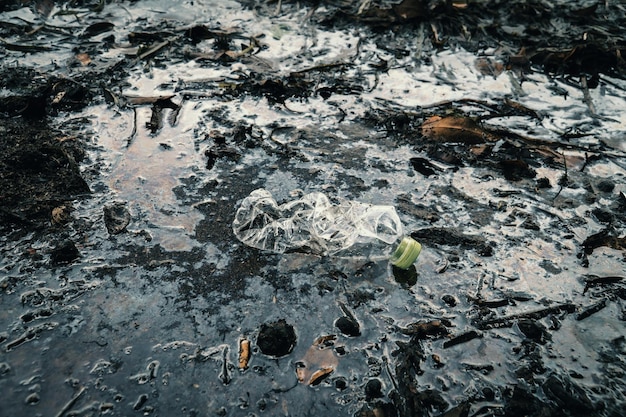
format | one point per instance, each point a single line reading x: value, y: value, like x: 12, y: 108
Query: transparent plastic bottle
x: 313, y: 224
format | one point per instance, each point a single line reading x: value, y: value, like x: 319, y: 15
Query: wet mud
x: 131, y: 130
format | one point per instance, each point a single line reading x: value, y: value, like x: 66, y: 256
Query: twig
x: 71, y: 402
x: 587, y: 96
x: 153, y: 50
x: 134, y: 131
x: 592, y: 309
x: 462, y: 338
x: 321, y: 67
x: 508, y: 321
x: 389, y: 373
x: 563, y: 179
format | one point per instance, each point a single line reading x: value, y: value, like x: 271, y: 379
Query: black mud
x: 515, y: 308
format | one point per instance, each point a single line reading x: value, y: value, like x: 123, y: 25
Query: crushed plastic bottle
x: 313, y: 224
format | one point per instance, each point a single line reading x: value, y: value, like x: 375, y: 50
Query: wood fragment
x: 591, y: 310
x: 508, y: 321
x: 586, y: 96
x: 71, y: 402
x: 24, y: 47
x: 594, y: 281
x: 153, y: 50
x: 225, y: 375
x: 319, y: 375
x: 141, y: 100
x: 462, y: 338
x: 244, y: 353
x: 423, y: 329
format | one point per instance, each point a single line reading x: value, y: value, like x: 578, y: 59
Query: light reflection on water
x: 144, y: 170
x: 136, y: 308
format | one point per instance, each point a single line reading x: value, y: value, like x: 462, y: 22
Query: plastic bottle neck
x: 406, y: 253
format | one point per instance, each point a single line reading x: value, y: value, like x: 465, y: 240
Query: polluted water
x: 137, y: 298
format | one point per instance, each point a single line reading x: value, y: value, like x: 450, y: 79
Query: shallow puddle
x: 151, y: 320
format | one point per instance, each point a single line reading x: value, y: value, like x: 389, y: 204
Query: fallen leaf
x: 455, y: 129
x: 480, y: 149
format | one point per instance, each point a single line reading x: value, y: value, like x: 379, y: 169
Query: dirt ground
x: 48, y: 169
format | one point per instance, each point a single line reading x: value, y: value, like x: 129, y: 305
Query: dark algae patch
x: 130, y: 132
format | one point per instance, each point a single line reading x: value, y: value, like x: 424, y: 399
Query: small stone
x: 64, y: 253
x: 606, y: 186
x: 450, y: 300
x: 341, y: 383
x: 543, y: 183
x: 373, y: 389
x: 348, y: 326
x: 489, y: 393
x: 32, y: 399
x: 533, y: 330
x: 116, y: 218
x: 276, y: 338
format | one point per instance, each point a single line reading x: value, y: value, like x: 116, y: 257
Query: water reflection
x: 146, y: 167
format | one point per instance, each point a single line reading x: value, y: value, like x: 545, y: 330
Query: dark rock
x: 378, y: 409
x: 533, y: 330
x: 424, y: 166
x: 550, y: 266
x: 516, y: 169
x: 606, y: 186
x: 488, y: 393
x: 568, y: 396
x: 543, y: 182
x: 603, y: 216
x: 276, y: 338
x: 450, y: 300
x: 348, y: 326
x: 65, y: 253
x: 525, y: 403
x: 116, y: 218
x: 341, y: 383
x: 373, y: 389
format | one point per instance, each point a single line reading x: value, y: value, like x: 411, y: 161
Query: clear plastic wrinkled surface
x: 312, y: 223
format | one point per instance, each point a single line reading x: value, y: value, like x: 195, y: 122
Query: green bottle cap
x: 407, y: 252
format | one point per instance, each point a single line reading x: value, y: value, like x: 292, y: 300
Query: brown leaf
x: 455, y: 129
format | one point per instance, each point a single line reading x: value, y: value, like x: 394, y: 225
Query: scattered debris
x: 244, y: 353
x: 116, y: 217
x: 318, y: 362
